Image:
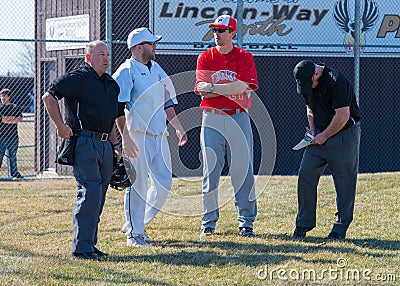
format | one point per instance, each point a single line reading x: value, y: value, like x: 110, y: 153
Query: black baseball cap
x: 303, y: 73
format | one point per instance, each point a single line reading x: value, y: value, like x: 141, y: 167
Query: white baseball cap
x: 141, y: 35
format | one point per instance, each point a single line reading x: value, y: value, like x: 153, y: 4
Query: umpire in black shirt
x: 91, y: 107
x: 334, y: 119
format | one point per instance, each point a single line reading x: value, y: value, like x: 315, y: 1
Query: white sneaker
x: 136, y: 241
x: 147, y: 238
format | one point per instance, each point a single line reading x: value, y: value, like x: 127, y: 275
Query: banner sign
x: 298, y: 26
x: 71, y: 28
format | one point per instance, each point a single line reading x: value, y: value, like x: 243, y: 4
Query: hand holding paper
x: 304, y: 142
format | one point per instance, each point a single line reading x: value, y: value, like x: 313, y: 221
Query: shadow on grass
x: 69, y: 276
x: 367, y: 243
x: 264, y: 250
x: 198, y: 253
x: 376, y: 243
x: 204, y: 258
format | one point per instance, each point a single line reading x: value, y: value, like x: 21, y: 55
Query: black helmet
x: 119, y: 178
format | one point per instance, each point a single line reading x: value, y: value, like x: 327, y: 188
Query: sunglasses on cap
x: 217, y: 30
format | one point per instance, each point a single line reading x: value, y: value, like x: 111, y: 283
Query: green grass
x: 36, y: 231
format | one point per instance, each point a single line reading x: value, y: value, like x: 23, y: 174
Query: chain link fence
x: 17, y: 75
x: 278, y: 32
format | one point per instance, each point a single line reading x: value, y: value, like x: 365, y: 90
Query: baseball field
x: 36, y: 231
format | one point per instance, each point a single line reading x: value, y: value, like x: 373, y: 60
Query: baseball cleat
x: 136, y: 241
x: 208, y: 231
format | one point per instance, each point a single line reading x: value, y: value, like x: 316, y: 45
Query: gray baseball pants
x: 230, y: 135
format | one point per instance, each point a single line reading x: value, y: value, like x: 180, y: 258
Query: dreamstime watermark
x: 340, y: 272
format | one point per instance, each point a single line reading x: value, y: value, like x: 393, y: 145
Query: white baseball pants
x: 153, y: 161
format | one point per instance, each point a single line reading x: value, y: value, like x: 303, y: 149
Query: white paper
x: 304, y: 142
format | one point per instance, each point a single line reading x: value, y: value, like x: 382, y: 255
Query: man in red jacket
x: 225, y: 77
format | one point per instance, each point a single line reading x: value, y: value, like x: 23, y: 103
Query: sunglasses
x: 216, y: 30
x: 150, y: 43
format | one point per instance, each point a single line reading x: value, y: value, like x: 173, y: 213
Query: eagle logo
x: 343, y: 21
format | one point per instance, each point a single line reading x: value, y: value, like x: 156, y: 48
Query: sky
x: 16, y: 22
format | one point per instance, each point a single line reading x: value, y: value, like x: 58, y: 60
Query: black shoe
x: 99, y: 252
x: 336, y: 236
x: 17, y: 176
x: 300, y: 232
x: 85, y: 256
x: 208, y: 231
x: 246, y: 231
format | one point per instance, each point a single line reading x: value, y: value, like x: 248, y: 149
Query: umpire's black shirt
x: 91, y: 101
x: 333, y: 91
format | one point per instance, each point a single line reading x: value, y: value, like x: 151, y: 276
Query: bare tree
x: 25, y: 62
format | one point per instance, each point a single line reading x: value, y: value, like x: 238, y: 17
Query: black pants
x: 341, y: 154
x: 92, y: 171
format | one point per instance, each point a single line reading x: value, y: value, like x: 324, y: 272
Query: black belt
x: 358, y: 123
x: 347, y: 126
x: 93, y: 134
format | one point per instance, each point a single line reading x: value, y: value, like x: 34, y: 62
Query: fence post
x: 109, y: 31
x: 356, y: 50
x: 239, y: 13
